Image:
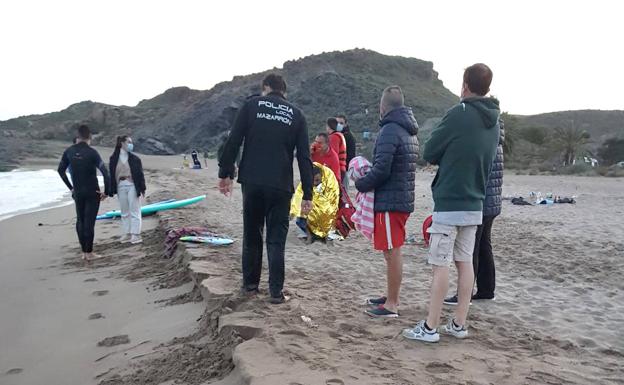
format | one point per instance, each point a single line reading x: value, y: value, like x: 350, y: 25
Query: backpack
x: 343, y: 222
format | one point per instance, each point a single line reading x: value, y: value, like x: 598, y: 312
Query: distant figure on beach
x: 323, y: 154
x: 338, y: 143
x: 483, y: 257
x: 392, y: 177
x: 85, y: 161
x: 206, y: 156
x: 185, y: 162
x: 463, y: 145
x: 128, y: 182
x: 196, y: 162
x: 272, y: 129
x: 350, y: 142
x: 318, y: 223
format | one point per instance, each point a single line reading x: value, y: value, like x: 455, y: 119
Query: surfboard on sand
x: 217, y: 241
x: 156, y: 207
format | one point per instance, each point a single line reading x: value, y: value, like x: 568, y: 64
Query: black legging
x: 483, y: 259
x: 87, y: 207
x: 264, y: 204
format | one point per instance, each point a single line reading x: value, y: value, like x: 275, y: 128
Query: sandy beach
x: 557, y: 318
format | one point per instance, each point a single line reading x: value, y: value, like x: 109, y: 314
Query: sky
x: 545, y: 55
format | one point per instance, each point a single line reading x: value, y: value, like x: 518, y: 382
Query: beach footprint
x: 114, y: 341
x: 99, y: 293
x: 14, y: 371
x: 95, y: 316
x: 334, y: 381
x: 90, y: 280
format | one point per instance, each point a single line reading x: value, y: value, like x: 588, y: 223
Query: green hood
x: 488, y: 108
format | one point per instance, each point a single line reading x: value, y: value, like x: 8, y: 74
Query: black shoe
x: 478, y: 296
x: 249, y: 291
x: 452, y: 300
x: 278, y: 300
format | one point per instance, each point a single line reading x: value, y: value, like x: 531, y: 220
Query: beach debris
x: 114, y: 341
x: 308, y: 321
x: 14, y: 371
x: 99, y: 293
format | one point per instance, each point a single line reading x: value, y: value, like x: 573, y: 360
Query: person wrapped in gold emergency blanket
x: 326, y: 191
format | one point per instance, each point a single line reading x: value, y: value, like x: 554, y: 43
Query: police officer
x: 272, y: 129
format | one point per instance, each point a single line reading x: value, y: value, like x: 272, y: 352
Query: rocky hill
x: 181, y: 118
x: 599, y: 124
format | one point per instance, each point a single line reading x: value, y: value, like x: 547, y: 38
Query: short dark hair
x: 275, y: 82
x: 84, y: 133
x: 343, y: 117
x: 478, y: 78
x: 323, y: 135
x: 332, y: 123
x: 316, y: 170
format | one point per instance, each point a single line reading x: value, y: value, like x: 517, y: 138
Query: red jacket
x: 329, y: 160
x: 338, y: 143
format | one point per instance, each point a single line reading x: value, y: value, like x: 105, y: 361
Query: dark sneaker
x: 381, y: 312
x: 376, y: 301
x: 250, y: 291
x: 278, y: 300
x: 453, y: 300
x: 478, y: 296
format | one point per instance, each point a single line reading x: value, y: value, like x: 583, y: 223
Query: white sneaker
x: 420, y: 334
x: 135, y: 239
x: 124, y: 238
x: 451, y: 329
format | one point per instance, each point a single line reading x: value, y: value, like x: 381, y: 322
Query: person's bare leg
x: 394, y: 270
x: 465, y: 281
x: 439, y: 288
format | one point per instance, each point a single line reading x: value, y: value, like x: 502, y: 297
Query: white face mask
x: 130, y: 147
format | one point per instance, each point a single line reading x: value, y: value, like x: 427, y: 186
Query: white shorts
x: 451, y: 243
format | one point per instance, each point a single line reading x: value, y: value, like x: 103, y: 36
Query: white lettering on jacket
x: 283, y: 119
x: 270, y: 104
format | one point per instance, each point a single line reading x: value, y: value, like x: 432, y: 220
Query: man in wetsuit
x: 272, y: 129
x: 84, y: 162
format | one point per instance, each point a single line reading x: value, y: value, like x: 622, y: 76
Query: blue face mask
x: 130, y: 147
x: 339, y: 127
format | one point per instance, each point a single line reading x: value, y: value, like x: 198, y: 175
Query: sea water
x: 27, y: 191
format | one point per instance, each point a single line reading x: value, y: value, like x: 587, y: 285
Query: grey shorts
x: 451, y: 243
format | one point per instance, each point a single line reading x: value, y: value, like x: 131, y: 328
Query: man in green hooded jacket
x: 463, y: 145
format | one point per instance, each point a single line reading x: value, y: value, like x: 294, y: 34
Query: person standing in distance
x: 128, y: 182
x: 338, y: 143
x: 393, y: 178
x: 463, y: 145
x: 350, y: 142
x: 84, y: 162
x: 272, y: 129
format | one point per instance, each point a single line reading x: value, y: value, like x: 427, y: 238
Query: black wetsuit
x: 84, y: 162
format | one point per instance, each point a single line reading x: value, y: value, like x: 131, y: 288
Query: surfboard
x: 155, y: 207
x: 217, y: 241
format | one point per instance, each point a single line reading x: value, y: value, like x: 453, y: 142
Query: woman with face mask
x: 128, y: 182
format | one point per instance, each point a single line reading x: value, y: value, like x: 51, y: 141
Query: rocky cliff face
x: 181, y: 118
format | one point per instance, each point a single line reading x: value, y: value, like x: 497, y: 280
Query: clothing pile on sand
x: 536, y: 198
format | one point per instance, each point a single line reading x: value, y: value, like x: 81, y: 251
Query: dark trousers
x: 87, y: 207
x: 264, y: 205
x: 483, y: 259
